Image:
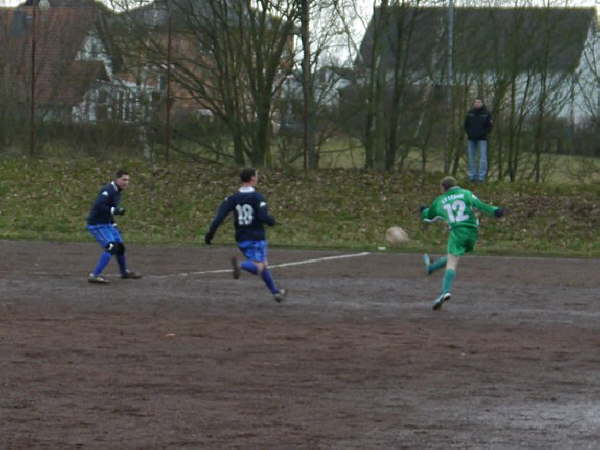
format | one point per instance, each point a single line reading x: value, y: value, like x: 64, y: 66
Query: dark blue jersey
x: 250, y: 214
x: 107, y: 199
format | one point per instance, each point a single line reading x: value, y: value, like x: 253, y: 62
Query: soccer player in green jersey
x: 455, y: 207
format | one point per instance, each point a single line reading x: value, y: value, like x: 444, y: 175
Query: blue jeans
x: 473, y: 172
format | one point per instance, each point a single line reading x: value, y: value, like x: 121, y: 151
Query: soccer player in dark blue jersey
x: 101, y: 225
x: 250, y: 214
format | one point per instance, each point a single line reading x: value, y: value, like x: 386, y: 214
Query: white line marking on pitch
x: 276, y: 266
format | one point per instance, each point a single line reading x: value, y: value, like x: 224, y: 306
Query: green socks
x: 448, y: 279
x: 437, y: 264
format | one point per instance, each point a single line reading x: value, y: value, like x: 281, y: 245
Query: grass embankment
x: 49, y: 200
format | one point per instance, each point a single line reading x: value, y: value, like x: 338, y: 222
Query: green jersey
x: 455, y: 207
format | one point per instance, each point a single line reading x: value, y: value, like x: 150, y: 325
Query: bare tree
x: 227, y: 57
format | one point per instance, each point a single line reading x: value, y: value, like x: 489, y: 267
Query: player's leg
x: 449, y: 273
x: 462, y: 240
x: 119, y: 252
x: 447, y: 281
x: 278, y: 293
x: 247, y: 249
x: 256, y: 263
x: 255, y: 258
x: 100, y: 235
x: 433, y: 265
x: 260, y: 255
x: 455, y: 249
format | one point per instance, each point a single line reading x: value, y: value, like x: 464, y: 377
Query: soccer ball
x: 395, y: 236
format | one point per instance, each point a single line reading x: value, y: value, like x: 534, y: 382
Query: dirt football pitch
x: 188, y: 358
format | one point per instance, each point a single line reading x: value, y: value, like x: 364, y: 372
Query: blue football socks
x: 122, y: 264
x: 102, y: 263
x: 249, y: 266
x: 266, y: 276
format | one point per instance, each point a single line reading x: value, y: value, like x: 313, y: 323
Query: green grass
x: 348, y: 153
x: 49, y: 200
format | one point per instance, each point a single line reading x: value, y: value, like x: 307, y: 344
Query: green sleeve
x: 482, y: 206
x: 425, y: 213
x: 431, y: 213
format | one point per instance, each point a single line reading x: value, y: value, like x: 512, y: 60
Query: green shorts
x: 462, y: 240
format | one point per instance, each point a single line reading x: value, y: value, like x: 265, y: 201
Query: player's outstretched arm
x: 224, y: 208
x: 484, y: 207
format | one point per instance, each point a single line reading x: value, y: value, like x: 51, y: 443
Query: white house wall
x: 93, y: 49
x: 131, y: 101
x: 587, y: 90
x: 132, y: 96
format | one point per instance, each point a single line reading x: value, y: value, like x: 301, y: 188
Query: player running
x: 101, y: 225
x: 250, y: 214
x: 455, y: 207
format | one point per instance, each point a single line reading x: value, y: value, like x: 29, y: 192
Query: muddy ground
x: 354, y: 359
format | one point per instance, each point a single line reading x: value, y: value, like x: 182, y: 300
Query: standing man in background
x: 478, y: 124
x: 101, y: 225
x: 250, y: 214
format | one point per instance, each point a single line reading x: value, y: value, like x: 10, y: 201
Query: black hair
x: 119, y: 173
x: 247, y: 174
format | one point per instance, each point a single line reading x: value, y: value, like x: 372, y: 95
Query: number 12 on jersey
x: 456, y: 211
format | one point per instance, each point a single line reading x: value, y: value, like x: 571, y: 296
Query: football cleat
x: 235, y: 265
x: 280, y: 295
x: 427, y: 261
x: 98, y: 279
x: 131, y: 275
x: 438, y: 302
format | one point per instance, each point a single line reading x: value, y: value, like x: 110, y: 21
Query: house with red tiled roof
x: 56, y: 55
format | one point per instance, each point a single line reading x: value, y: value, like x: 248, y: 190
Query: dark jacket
x: 102, y: 209
x: 250, y: 214
x: 478, y: 123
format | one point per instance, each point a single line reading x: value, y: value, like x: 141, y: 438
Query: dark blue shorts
x: 105, y: 234
x: 254, y: 250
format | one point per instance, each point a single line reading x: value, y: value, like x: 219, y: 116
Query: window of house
x: 127, y: 107
x: 94, y: 49
x: 118, y: 106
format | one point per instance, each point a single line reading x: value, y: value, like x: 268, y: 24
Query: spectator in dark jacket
x: 478, y: 124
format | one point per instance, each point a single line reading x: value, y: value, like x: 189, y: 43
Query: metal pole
x: 168, y: 111
x: 306, y: 82
x: 32, y: 110
x: 450, y: 83
x: 450, y: 44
